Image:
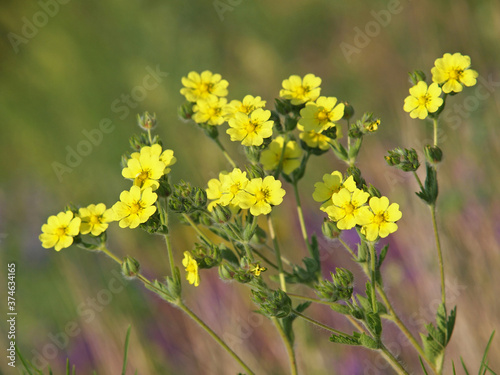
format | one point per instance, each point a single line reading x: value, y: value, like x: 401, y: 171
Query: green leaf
x: 341, y: 152
x: 315, y: 248
x: 362, y: 252
x: 127, y: 337
x: 287, y: 322
x: 342, y: 309
x: 368, y: 342
x: 381, y: 257
x: 486, y: 350
x: 430, y: 191
x: 423, y: 366
x: 344, y: 339
x: 374, y: 323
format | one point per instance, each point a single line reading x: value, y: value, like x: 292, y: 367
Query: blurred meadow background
x: 83, y: 64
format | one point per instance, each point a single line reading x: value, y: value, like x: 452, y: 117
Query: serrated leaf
x: 374, y: 323
x: 347, y: 340
x: 341, y: 152
x: 362, y: 252
x: 430, y: 191
x: 382, y: 256
x: 368, y: 342
x: 315, y: 248
x: 342, y: 309
x: 365, y: 303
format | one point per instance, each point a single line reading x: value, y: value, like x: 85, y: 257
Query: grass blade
x: 126, y: 350
x: 463, y: 365
x: 422, y: 364
x: 483, y: 361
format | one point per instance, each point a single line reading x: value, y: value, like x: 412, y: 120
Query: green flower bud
x: 206, y: 256
x: 273, y: 303
x: 185, y: 111
x: 348, y: 111
x: 416, y: 76
x: 290, y: 123
x: 330, y: 132
x: 130, y: 267
x: 253, y: 153
x: 221, y: 214
x: 340, y: 288
x: 146, y: 121
x: 255, y: 171
x: 356, y: 175
x: 406, y: 160
x: 433, y: 154
x: 373, y: 191
x: 226, y: 271
x: 329, y: 229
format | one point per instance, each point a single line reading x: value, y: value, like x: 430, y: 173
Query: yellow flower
x: 271, y: 157
x: 346, y: 207
x: 332, y: 183
x: 191, y: 266
x: 257, y: 269
x: 95, y: 219
x: 321, y: 115
x: 453, y: 71
x: 214, y: 191
x: 301, y: 90
x: 201, y: 87
x: 209, y: 111
x: 313, y: 139
x: 60, y: 230
x: 379, y: 219
x: 232, y: 184
x: 135, y: 207
x: 247, y: 105
x: 147, y: 166
x: 251, y: 129
x: 423, y: 100
x: 260, y: 194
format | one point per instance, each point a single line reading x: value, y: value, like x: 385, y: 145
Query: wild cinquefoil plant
x: 233, y: 215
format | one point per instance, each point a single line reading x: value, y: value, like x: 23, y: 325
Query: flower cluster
x: 449, y: 75
x: 236, y: 190
x: 349, y: 206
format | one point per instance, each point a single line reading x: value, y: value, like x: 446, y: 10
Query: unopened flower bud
x: 329, y: 229
x: 130, y: 267
x: 373, y: 191
x: 416, y: 76
x: 221, y: 214
x: 433, y: 154
x: 185, y: 111
x: 255, y: 171
x: 348, y: 111
x: 147, y: 121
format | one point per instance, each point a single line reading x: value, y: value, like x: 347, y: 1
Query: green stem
x: 396, y: 365
x: 435, y: 123
x: 419, y: 181
x: 314, y: 300
x: 277, y: 251
x: 195, y: 227
x: 346, y: 246
x: 224, y: 152
x: 440, y: 254
x: 315, y: 322
x: 207, y: 329
x: 268, y: 261
x: 149, y: 136
x: 283, y: 259
x: 168, y: 243
x: 106, y: 251
x: 395, y: 318
x: 373, y: 278
x: 288, y: 346
x: 282, y: 157
x: 301, y: 219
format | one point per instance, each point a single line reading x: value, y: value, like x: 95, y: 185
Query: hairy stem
x: 277, y: 251
x: 288, y: 346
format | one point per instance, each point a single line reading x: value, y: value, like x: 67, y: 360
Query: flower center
x: 204, y: 88
x: 455, y: 74
x: 349, y: 209
x: 135, y: 208
x: 422, y: 101
x: 234, y: 189
x: 261, y: 195
x: 94, y: 219
x: 322, y: 115
x: 142, y: 177
x: 250, y: 127
x: 61, y: 231
x: 302, y: 90
x: 379, y: 218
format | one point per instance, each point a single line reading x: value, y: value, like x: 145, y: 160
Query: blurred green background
x: 80, y: 63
